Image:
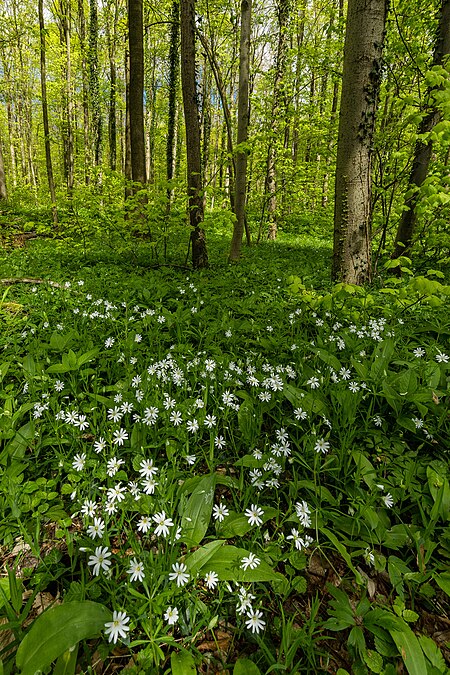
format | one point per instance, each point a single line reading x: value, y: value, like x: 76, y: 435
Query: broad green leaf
x: 433, y: 653
x: 245, y: 667
x: 328, y: 358
x: 202, y: 555
x: 197, y: 512
x: 236, y: 524
x: 248, y: 423
x: 57, y: 630
x: 409, y: 647
x: 365, y: 468
x: 87, y: 356
x: 443, y: 581
x: 182, y: 663
x: 311, y: 403
x: 17, y: 445
x: 373, y: 661
x: 67, y: 662
x: 226, y: 561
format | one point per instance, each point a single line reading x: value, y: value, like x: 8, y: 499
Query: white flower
x: 99, y: 445
x: 116, y: 493
x: 220, y: 511
x: 100, y: 560
x: 113, y: 466
x: 115, y: 414
x: 144, y: 524
x: 250, y: 561
x: 254, y: 621
x: 354, y: 387
x: 58, y: 386
x: 120, y: 435
x: 79, y: 461
x: 300, y: 414
x: 190, y: 459
x: 138, y: 338
x: 88, y: 508
x: 313, y: 382
x: 211, y: 580
x: 147, y: 469
x: 163, y: 523
x: 369, y: 557
x: 192, y: 425
x: 219, y: 442
x: 171, y: 615
x: 176, y: 418
x: 298, y: 541
x: 109, y: 342
x: 117, y: 627
x: 97, y: 529
x: 388, y: 500
x: 303, y: 513
x: 179, y: 574
x: 136, y: 570
x: 441, y: 357
x: 149, y: 485
x: 210, y: 421
x: 322, y: 445
x: 254, y: 514
x: 377, y: 420
x: 418, y: 352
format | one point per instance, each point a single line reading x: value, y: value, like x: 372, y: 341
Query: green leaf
x: 248, y: 424
x: 409, y: 647
x: 226, y: 561
x: 67, y: 663
x: 443, y: 581
x: 343, y: 551
x: 182, y: 663
x: 433, y: 653
x: 245, y: 667
x: 373, y: 661
x: 202, y: 555
x: 57, y: 630
x: 197, y: 512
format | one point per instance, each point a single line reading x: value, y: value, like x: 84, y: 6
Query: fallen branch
x: 9, y: 282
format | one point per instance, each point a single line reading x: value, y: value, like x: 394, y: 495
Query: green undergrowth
x: 244, y: 469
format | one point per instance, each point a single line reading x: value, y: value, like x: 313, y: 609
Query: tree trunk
x: 67, y: 97
x: 192, y: 124
x: 48, y: 155
x: 136, y: 91
x: 3, y: 190
x: 280, y: 65
x: 85, y: 90
x: 360, y: 87
x: 94, y: 87
x: 127, y: 154
x: 423, y: 149
x: 174, y: 63
x: 242, y: 132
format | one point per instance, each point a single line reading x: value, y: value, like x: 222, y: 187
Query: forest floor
x: 243, y: 469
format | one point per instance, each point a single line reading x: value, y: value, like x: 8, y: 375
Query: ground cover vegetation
x: 236, y: 469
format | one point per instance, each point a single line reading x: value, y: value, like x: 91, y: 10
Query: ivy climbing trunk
x: 192, y: 124
x: 423, y: 149
x: 242, y: 131
x: 360, y: 87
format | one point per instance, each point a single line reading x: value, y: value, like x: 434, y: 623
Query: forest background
x: 261, y: 117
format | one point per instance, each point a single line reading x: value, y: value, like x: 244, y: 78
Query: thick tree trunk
x: 127, y: 153
x: 192, y: 124
x: 360, y: 86
x: 48, y: 155
x: 136, y: 91
x: 242, y: 132
x: 423, y: 150
x: 280, y: 65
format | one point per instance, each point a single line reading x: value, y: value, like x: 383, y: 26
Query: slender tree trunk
x: 67, y: 98
x: 136, y: 91
x: 48, y: 155
x: 423, y: 149
x: 192, y: 124
x: 85, y: 91
x: 127, y: 154
x: 3, y: 190
x: 360, y: 86
x: 280, y: 65
x: 94, y: 87
x: 242, y: 133
x: 174, y: 63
